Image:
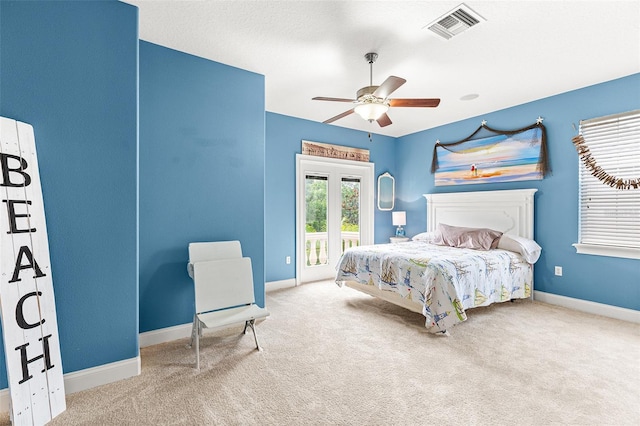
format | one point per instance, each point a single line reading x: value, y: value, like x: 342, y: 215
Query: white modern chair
x: 223, y: 282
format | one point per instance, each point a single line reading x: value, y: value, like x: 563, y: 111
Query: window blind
x: 609, y: 216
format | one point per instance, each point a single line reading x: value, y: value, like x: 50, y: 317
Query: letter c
x: 20, y: 315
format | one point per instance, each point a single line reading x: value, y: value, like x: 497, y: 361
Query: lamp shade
x: 399, y: 218
x: 371, y: 111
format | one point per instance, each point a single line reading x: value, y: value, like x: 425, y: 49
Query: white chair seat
x: 226, y: 317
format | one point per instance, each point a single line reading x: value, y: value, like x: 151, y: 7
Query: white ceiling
x: 525, y: 50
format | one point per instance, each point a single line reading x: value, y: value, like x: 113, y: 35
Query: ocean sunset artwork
x: 501, y: 158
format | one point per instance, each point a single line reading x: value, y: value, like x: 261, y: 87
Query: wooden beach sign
x: 29, y: 323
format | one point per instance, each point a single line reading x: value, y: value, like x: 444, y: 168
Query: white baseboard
x: 89, y: 378
x: 277, y: 285
x: 168, y: 334
x: 610, y: 311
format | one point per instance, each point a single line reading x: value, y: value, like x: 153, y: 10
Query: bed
x: 443, y: 282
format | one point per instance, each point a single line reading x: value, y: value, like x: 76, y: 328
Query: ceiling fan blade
x: 389, y: 86
x: 434, y: 102
x: 384, y: 120
x: 339, y: 116
x: 322, y: 98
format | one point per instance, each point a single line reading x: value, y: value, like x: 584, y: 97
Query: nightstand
x: 399, y: 239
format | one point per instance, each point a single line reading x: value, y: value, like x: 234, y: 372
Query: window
x: 609, y: 217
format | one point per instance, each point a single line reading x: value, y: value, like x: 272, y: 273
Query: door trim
x: 367, y: 207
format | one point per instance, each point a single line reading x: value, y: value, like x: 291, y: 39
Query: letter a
x: 24, y: 251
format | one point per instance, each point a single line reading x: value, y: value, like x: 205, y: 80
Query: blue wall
x: 600, y: 279
x: 70, y: 70
x: 202, y: 154
x: 284, y: 141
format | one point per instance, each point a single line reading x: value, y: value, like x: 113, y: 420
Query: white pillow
x: 426, y: 237
x: 529, y: 249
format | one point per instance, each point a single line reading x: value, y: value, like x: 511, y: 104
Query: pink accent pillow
x: 473, y: 238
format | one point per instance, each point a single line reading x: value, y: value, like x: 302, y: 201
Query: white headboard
x: 510, y: 211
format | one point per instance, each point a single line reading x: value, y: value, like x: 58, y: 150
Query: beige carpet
x: 333, y: 356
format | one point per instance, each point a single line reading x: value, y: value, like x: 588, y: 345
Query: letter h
x: 26, y: 362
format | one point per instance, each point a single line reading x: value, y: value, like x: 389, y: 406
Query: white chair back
x: 199, y: 252
x: 223, y: 284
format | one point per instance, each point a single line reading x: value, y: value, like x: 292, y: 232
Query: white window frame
x: 614, y: 142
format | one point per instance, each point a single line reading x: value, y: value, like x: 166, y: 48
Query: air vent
x: 455, y: 21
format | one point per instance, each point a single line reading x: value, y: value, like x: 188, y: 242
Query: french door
x: 334, y: 211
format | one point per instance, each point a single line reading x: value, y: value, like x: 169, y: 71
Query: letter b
x: 6, y: 177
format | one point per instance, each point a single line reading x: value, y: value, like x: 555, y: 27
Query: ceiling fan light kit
x: 372, y: 102
x: 371, y: 110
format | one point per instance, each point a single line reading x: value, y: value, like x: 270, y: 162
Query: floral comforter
x: 444, y: 280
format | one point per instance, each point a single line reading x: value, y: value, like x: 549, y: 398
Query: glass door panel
x: 350, y: 221
x: 316, y: 237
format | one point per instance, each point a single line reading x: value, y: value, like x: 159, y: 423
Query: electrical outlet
x: 288, y: 260
x: 559, y: 271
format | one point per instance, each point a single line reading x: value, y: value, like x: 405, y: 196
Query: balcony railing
x: 317, y: 250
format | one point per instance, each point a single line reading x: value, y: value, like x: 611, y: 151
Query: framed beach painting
x: 500, y: 158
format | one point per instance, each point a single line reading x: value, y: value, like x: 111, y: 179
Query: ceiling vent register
x: 455, y: 21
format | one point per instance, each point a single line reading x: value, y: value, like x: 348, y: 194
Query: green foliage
x: 350, y: 227
x: 316, y: 199
x: 350, y: 206
x: 316, y: 206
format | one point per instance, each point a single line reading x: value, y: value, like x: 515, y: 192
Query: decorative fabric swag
x: 543, y: 164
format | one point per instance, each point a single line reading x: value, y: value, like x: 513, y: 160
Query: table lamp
x: 399, y: 219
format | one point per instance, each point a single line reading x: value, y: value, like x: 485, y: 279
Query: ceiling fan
x: 372, y: 102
